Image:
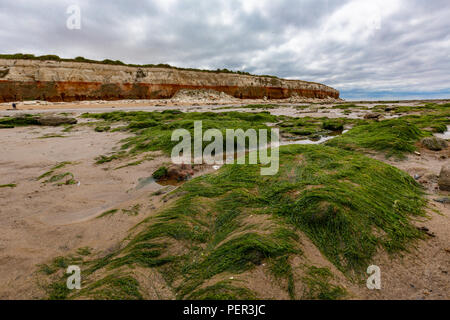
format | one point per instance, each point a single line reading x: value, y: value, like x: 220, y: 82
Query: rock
x: 4, y: 72
x: 180, y: 172
x: 55, y: 120
x: 444, y: 178
x: 426, y: 231
x: 417, y: 153
x: 417, y: 176
x: 434, y: 143
x: 443, y: 200
x: 372, y: 116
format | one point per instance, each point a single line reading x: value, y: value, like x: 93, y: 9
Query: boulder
x: 55, y: 120
x: 434, y: 143
x: 444, y: 178
x: 372, y: 116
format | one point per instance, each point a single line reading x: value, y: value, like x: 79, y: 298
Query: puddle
x: 318, y: 141
x: 307, y: 142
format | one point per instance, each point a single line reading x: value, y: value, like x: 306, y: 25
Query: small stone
x: 417, y: 176
x: 417, y: 153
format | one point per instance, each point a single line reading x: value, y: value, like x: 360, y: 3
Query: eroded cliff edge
x: 73, y: 81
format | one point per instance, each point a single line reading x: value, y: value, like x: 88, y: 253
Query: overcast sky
x: 364, y: 48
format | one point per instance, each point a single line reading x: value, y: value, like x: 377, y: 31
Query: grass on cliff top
x: 234, y: 220
x: 393, y: 137
x: 153, y: 130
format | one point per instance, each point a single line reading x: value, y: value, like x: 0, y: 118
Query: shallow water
x: 445, y: 135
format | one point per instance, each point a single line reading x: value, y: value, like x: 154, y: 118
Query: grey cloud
x: 288, y: 38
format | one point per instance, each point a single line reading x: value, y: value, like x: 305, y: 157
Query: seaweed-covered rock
x: 372, y: 116
x: 333, y: 125
x: 174, y: 172
x: 55, y: 120
x: 160, y: 174
x: 434, y: 143
x: 444, y: 178
x: 180, y: 172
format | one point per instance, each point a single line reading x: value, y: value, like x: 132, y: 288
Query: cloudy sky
x: 365, y: 48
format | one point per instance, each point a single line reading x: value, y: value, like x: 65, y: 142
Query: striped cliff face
x: 72, y: 81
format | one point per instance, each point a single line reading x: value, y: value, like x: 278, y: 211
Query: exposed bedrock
x: 71, y: 81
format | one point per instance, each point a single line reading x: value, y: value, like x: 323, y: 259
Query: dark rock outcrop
x: 55, y: 120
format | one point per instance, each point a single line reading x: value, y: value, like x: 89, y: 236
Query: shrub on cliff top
x: 117, y: 62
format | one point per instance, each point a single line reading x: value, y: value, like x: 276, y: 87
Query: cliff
x: 72, y: 81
